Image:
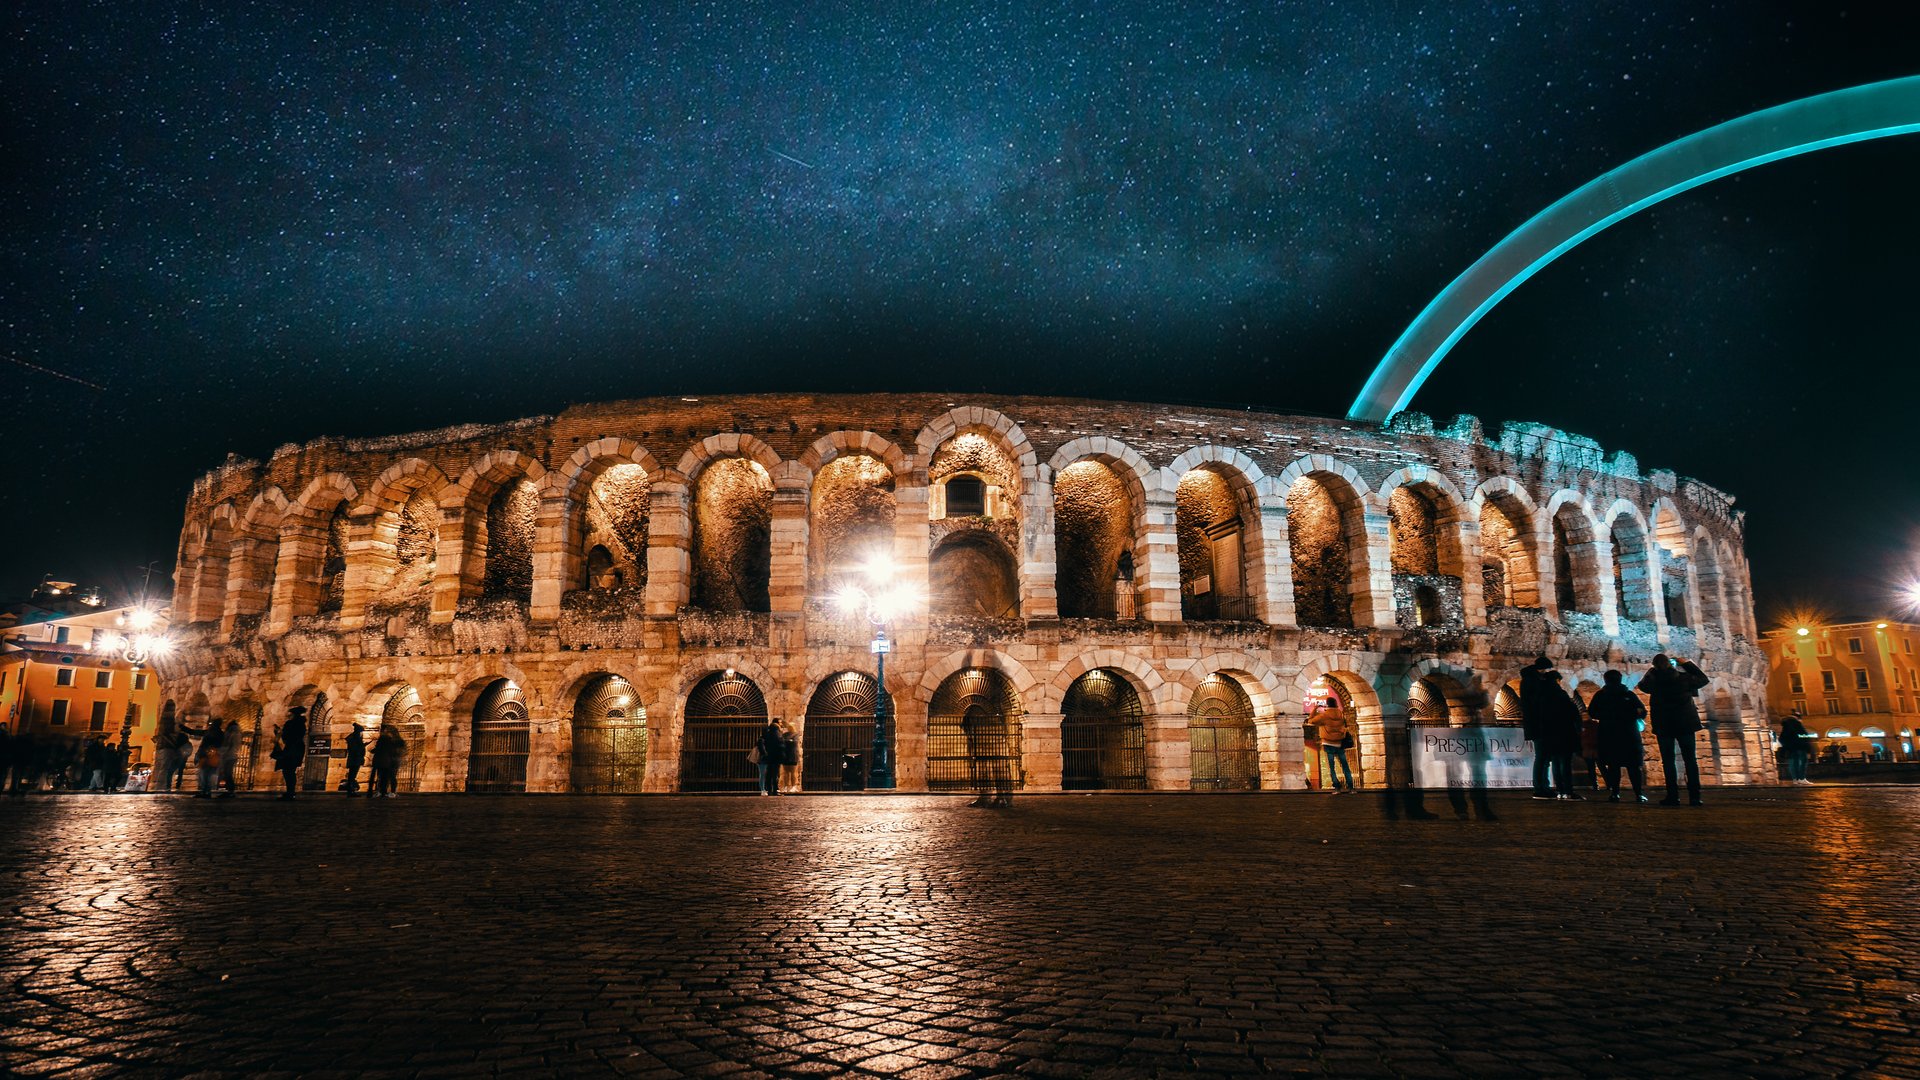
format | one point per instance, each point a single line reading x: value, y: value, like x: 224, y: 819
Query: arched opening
x: 612, y: 530
x: 1506, y: 706
x: 1423, y: 548
x: 1675, y: 569
x: 1576, y: 571
x: 1324, y: 533
x: 1325, y: 689
x: 497, y: 758
x: 1508, y: 573
x: 971, y: 476
x: 1212, y: 523
x: 407, y: 715
x: 1711, y: 582
x: 732, y: 536
x: 852, y: 520
x: 839, y: 723
x: 723, y: 718
x: 1093, y: 530
x: 1224, y: 747
x: 333, y: 562
x: 972, y: 574
x: 211, y: 568
x: 1433, y: 701
x: 508, y: 547
x: 1413, y: 534
x: 1632, y: 582
x: 974, y: 733
x: 1426, y: 606
x: 609, y: 738
x: 319, y: 759
x: 250, y: 575
x: 404, y: 553
x: 1103, y: 734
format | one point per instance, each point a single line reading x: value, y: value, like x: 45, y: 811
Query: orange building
x: 63, y: 675
x: 1856, y: 685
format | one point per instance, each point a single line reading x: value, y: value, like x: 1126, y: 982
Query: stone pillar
x: 551, y: 540
x: 548, y: 751
x: 1382, y: 737
x: 1473, y: 599
x: 1273, y: 587
x: 295, y: 584
x: 912, y: 531
x: 1156, y: 565
x: 1370, y: 569
x: 1169, y: 752
x: 1039, y: 598
x: 1283, y: 751
x: 1040, y: 751
x: 663, y: 734
x: 1595, y: 560
x: 787, y: 569
x: 669, y: 557
x: 364, y: 562
x: 450, y: 559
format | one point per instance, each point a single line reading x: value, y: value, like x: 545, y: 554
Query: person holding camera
x: 1336, y: 738
x: 1670, y: 691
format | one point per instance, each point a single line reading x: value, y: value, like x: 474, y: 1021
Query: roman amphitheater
x: 1140, y: 596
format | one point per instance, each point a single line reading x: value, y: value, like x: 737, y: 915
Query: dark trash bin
x: 853, y: 772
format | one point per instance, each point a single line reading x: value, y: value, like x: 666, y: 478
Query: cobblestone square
x: 1771, y: 933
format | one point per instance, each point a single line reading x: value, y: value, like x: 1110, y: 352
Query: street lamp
x: 138, y: 639
x: 881, y: 599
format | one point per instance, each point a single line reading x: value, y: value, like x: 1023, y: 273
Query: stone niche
x: 1428, y: 601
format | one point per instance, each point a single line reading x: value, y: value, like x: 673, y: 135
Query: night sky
x: 254, y: 224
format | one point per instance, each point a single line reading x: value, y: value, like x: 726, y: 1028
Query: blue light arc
x: 1872, y: 111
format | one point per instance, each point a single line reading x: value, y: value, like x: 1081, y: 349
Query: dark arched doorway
x: 609, y: 738
x: 1103, y: 735
x: 497, y: 761
x: 313, y: 769
x: 1224, y: 750
x: 839, y: 722
x: 724, y: 715
x: 973, y: 733
x: 408, y: 716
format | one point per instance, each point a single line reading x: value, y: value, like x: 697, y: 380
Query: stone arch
x: 393, y: 695
x: 603, y: 741
x: 1633, y: 583
x: 1739, y: 592
x: 1431, y: 539
x: 1329, y: 543
x: 1460, y: 688
x: 853, y: 504
x: 1711, y: 579
x: 1261, y: 687
x: 730, y: 512
x: 256, y: 557
x: 397, y: 542
x: 210, y: 563
x: 1357, y: 677
x: 992, y: 422
x: 936, y: 672
x: 718, y: 716
x: 1154, y: 690
x: 599, y: 499
x: 398, y: 482
x: 1581, y: 577
x: 723, y: 446
x: 1509, y: 544
x: 835, y: 444
x: 1100, y: 549
x: 491, y: 729
x: 975, y: 574
x: 1221, y: 540
x: 499, y: 493
x: 1672, y: 543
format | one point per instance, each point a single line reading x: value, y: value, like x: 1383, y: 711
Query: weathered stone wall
x: 510, y: 542
x: 853, y: 509
x: 1094, y: 525
x: 424, y: 520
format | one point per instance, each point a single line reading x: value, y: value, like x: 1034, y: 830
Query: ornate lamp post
x: 139, y: 639
x: 881, y: 599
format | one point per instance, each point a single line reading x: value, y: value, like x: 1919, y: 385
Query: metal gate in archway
x: 1103, y: 735
x: 839, y: 723
x: 609, y: 738
x: 497, y: 758
x: 313, y: 769
x: 1224, y: 746
x: 408, y: 717
x: 974, y: 733
x: 724, y: 715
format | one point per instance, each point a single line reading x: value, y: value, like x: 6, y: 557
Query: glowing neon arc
x: 1874, y: 111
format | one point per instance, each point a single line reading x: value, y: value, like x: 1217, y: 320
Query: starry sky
x: 243, y: 224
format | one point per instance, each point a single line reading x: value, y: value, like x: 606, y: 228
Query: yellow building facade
x: 1856, y: 685
x: 62, y: 677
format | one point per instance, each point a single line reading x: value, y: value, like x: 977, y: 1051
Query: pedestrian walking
x: 789, y: 759
x: 292, y: 749
x: 356, y: 757
x: 165, y: 754
x: 206, y: 757
x: 389, y: 750
x: 1796, y: 746
x: 1534, y: 713
x: 1336, y: 738
x: 1616, y: 713
x: 1559, y: 729
x: 232, y: 750
x: 1670, y: 691
x: 93, y: 762
x: 119, y: 759
x: 766, y: 756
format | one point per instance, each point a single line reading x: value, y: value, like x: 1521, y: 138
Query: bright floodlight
x: 879, y: 568
x: 140, y: 619
x: 1803, y: 631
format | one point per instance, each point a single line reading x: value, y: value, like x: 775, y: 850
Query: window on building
x: 103, y: 680
x: 1860, y: 679
x: 60, y: 635
x: 63, y: 677
x: 1800, y: 706
x: 1866, y: 704
x: 134, y: 714
x: 1824, y: 648
x: 1827, y: 683
x: 97, y: 719
x: 58, y: 718
x: 3, y: 681
x: 94, y: 638
x: 139, y: 680
x: 966, y: 496
x: 1853, y: 644
x: 1903, y: 702
x: 1833, y: 706
x: 1796, y: 683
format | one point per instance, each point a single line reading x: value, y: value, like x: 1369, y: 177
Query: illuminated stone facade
x: 1136, y: 595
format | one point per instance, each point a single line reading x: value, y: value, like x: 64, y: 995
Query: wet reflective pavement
x: 1773, y: 933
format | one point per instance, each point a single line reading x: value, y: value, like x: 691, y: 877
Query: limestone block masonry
x: 608, y: 598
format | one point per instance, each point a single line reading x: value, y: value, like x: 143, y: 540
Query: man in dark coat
x: 1559, y: 733
x: 1534, y: 709
x: 293, y: 748
x: 1617, y: 713
x: 1670, y: 690
x: 356, y: 756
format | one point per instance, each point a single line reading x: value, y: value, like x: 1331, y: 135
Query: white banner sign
x: 1467, y: 757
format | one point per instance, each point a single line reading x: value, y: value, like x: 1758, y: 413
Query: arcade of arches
x: 1114, y: 597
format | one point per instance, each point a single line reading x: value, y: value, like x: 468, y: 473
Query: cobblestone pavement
x: 1775, y: 932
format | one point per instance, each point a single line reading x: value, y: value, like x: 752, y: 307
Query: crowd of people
x: 1606, y: 734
